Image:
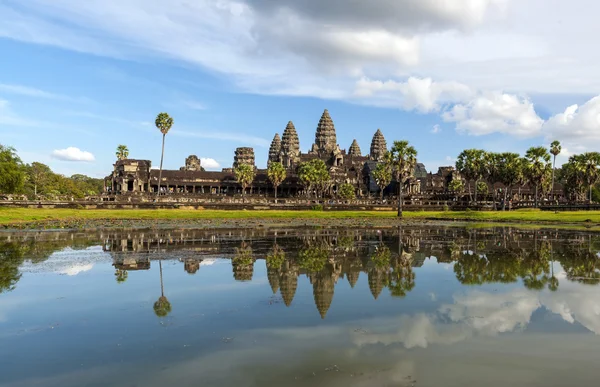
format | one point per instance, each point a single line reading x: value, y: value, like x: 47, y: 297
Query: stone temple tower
x: 244, y: 156
x: 275, y: 149
x: 290, y: 146
x: 354, y: 149
x: 378, y: 146
x: 325, y: 138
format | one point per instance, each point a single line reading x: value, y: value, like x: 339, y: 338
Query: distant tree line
x: 37, y: 180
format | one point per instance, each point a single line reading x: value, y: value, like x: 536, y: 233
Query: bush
x: 446, y: 208
x: 317, y: 207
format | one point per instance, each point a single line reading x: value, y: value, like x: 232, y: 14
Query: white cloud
x: 496, y: 112
x: 76, y: 269
x: 30, y: 92
x: 72, y: 154
x: 577, y: 124
x: 209, y: 163
x: 436, y: 129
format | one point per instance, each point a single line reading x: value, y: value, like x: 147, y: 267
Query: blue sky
x: 79, y: 78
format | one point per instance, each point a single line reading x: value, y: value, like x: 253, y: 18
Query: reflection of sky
x: 73, y: 329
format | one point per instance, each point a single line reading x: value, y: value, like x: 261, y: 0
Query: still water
x: 300, y: 307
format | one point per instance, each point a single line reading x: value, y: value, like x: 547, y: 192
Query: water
x: 409, y: 307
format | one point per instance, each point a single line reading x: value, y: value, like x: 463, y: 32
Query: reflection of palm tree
x: 121, y: 275
x: 553, y: 282
x: 162, y: 307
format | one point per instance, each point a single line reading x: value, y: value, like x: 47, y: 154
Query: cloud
x: 579, y: 124
x: 9, y: 118
x: 72, y: 154
x: 194, y: 105
x: 76, y: 269
x: 209, y: 163
x: 496, y: 112
x: 436, y: 129
x: 31, y: 92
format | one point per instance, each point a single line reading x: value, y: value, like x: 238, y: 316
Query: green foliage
x: 314, y: 174
x: 555, y: 148
x: 244, y: 174
x: 382, y: 257
x: 471, y: 165
x: 162, y: 307
x: 482, y: 188
x: 346, y: 191
x: 121, y: 276
x: 277, y: 174
x: 537, y: 167
x: 313, y: 259
x: 243, y: 255
x: 163, y: 122
x: 317, y: 207
x: 12, y: 174
x: 275, y: 258
x: 122, y: 152
x: 456, y: 186
x: 383, y: 176
x: 402, y: 159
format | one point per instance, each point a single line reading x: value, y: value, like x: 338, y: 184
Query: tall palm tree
x: 163, y: 122
x: 555, y: 149
x: 470, y: 164
x: 510, y: 171
x: 122, y: 152
x: 538, y: 167
x: 244, y: 174
x: 383, y: 177
x: 276, y: 173
x: 402, y: 159
x: 592, y: 174
x: 162, y: 306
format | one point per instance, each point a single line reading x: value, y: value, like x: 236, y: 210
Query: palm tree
x: 471, y: 165
x: 555, y: 149
x: 538, y: 167
x: 122, y: 152
x: 510, y: 171
x: 244, y: 174
x: 163, y: 122
x: 276, y: 173
x: 402, y: 159
x: 383, y: 177
x: 121, y: 275
x: 592, y: 174
x: 162, y: 306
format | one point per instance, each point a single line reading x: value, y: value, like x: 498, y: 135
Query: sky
x: 78, y: 78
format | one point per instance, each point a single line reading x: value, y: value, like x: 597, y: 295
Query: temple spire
x: 325, y: 137
x: 378, y: 146
x: 275, y: 149
x: 354, y: 149
x: 290, y: 146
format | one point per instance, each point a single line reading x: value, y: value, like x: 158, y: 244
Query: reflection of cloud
x: 76, y: 269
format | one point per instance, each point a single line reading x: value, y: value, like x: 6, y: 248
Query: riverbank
x: 28, y: 218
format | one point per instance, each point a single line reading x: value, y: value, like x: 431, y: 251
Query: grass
x: 20, y: 215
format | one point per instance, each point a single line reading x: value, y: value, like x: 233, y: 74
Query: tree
x: 537, y: 168
x: 402, y: 159
x: 122, y: 151
x: 383, y: 177
x: 482, y: 188
x: 313, y: 174
x: 346, y: 191
x: 592, y: 174
x: 121, y: 276
x: 163, y: 122
x: 573, y: 175
x: 12, y: 174
x: 39, y: 174
x: 276, y: 173
x: 510, y: 171
x: 244, y: 174
x: 162, y: 306
x: 470, y: 164
x: 456, y: 186
x: 555, y: 149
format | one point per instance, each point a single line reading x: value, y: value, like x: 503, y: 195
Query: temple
x: 131, y: 176
x: 136, y: 178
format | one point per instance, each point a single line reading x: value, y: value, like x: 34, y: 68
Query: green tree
x: 402, y: 158
x: 573, y: 175
x: 162, y: 306
x: 12, y: 174
x: 313, y: 259
x: 555, y: 149
x: 346, y: 191
x: 383, y: 177
x: 244, y: 174
x: 482, y: 188
x: 38, y: 174
x: 123, y: 152
x: 592, y: 174
x: 510, y: 171
x: 538, y: 168
x: 471, y: 165
x: 121, y: 276
x: 456, y: 186
x: 163, y: 122
x: 277, y: 174
x: 313, y: 174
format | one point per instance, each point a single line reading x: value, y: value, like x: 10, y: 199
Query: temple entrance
x: 130, y: 186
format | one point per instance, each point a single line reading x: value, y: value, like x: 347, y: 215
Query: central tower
x: 325, y: 138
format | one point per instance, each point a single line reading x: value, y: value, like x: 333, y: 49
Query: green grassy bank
x: 23, y: 215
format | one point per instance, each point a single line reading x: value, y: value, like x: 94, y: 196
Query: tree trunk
x: 381, y: 193
x: 536, y: 196
x: 505, y: 196
x: 591, y: 193
x: 476, y: 182
x: 35, y: 190
x: 470, y: 193
x: 275, y: 194
x: 400, y: 201
x: 552, y: 186
x: 162, y: 154
x: 162, y: 290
